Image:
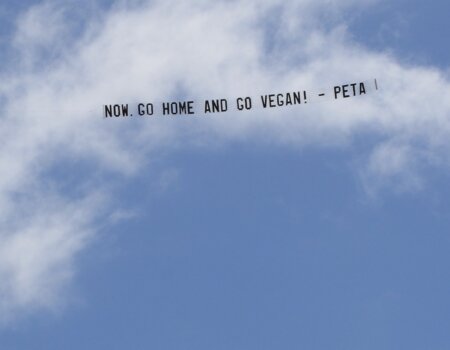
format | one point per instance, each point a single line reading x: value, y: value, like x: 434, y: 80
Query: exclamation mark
x: 304, y: 97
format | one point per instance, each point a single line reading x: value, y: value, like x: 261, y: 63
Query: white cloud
x: 37, y: 250
x: 54, y: 92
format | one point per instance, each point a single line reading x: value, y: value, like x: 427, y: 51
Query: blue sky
x: 307, y: 229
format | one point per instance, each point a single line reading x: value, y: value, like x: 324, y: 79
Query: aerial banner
x: 239, y: 103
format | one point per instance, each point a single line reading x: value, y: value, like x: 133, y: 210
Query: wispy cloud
x: 63, y: 72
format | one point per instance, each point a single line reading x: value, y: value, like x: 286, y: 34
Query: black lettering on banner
x: 280, y: 100
x: 349, y: 90
x: 183, y: 107
x: 165, y: 108
x: 288, y: 100
x: 174, y: 108
x: 362, y: 89
x: 345, y: 91
x: 145, y: 109
x: 116, y: 111
x: 216, y: 106
x: 264, y: 101
x: 337, y: 90
x: 297, y: 99
x: 271, y: 100
x: 190, y: 108
x: 108, y: 111
x: 244, y: 103
x: 207, y: 107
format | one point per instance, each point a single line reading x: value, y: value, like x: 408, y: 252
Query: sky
x: 321, y: 226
